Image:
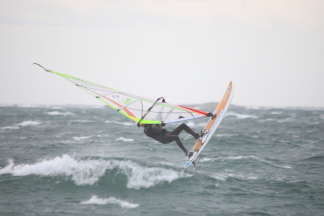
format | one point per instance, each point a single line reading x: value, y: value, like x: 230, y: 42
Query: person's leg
x: 179, y: 143
x: 170, y: 138
x: 185, y: 127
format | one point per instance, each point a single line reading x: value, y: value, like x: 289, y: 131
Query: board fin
x: 193, y: 165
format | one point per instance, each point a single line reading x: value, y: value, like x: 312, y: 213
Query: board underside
x: 212, y: 123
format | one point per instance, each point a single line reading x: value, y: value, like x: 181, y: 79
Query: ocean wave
x: 224, y: 176
x: 224, y: 135
x: 196, y: 124
x: 124, y: 139
x: 22, y: 124
x: 227, y: 175
x: 241, y: 116
x: 10, y: 128
x: 318, y: 158
x: 81, y: 121
x: 276, y: 113
x: 206, y: 160
x: 111, y: 200
x: 57, y: 113
x: 244, y: 158
x: 268, y: 120
x: 121, y: 123
x: 191, y: 124
x: 89, y: 171
x: 285, y: 120
x: 259, y: 159
x: 29, y: 123
x: 81, y: 138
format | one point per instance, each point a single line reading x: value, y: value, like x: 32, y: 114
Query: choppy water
x: 90, y: 161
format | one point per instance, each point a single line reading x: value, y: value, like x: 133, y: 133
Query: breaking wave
x: 241, y: 116
x: 125, y: 139
x: 111, y: 200
x: 56, y: 113
x: 29, y: 123
x: 22, y: 124
x: 121, y: 123
x: 89, y: 171
x: 10, y: 128
x: 81, y: 138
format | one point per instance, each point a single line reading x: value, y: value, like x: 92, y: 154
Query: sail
x: 137, y: 108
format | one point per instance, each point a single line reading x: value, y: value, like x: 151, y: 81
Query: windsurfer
x: 155, y: 131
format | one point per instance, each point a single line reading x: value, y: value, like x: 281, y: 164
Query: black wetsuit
x: 163, y: 136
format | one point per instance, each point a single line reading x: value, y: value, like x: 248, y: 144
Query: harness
x: 153, y: 133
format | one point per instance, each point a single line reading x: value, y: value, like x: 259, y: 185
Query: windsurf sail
x: 140, y: 109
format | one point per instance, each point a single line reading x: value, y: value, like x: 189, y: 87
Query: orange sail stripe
x: 194, y: 110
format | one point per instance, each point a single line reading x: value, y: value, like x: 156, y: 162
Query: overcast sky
x: 186, y: 50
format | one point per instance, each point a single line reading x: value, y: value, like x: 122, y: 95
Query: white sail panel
x: 137, y: 108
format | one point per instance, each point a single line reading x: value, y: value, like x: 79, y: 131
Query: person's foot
x: 186, y: 152
x: 203, y: 133
x: 197, y: 135
x: 190, y: 154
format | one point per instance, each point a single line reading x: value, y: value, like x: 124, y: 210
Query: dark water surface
x: 90, y: 161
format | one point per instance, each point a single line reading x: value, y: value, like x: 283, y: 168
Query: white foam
x: 121, y: 123
x: 29, y: 123
x: 276, y: 112
x: 8, y: 168
x: 22, y: 124
x: 81, y: 121
x: 237, y: 157
x: 81, y: 138
x: 241, y: 116
x: 81, y: 172
x: 191, y: 124
x: 10, y: 128
x: 146, y: 177
x: 206, y: 160
x: 267, y: 120
x: 223, y: 135
x: 125, y: 139
x: 224, y: 158
x: 111, y: 200
x: 223, y: 176
x: 285, y: 120
x: 89, y: 171
x: 56, y: 113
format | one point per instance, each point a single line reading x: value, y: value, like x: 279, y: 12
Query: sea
x: 90, y: 160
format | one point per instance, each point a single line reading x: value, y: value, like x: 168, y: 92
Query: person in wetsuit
x: 161, y: 135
